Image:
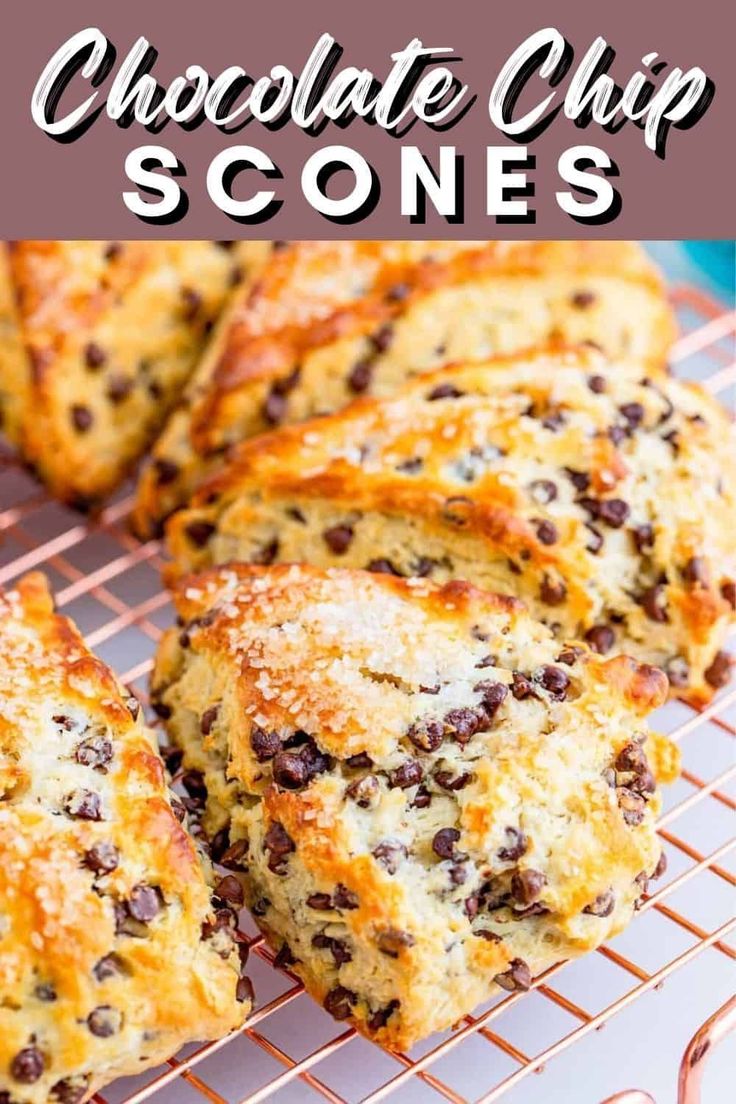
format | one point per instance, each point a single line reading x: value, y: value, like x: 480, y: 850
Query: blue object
x: 717, y: 259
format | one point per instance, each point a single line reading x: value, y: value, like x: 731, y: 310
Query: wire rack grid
x: 290, y: 1051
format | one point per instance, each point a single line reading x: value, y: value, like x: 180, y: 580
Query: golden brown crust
x: 605, y: 502
x: 104, y: 967
x: 328, y: 320
x: 104, y: 337
x: 343, y: 722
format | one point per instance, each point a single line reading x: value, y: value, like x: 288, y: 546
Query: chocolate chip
x: 493, y: 695
x: 195, y: 785
x: 422, y: 798
x: 448, y: 780
x: 109, y: 966
x: 94, y: 356
x: 104, y: 1021
x: 552, y: 591
x: 643, y: 537
x: 728, y: 593
x: 360, y: 376
x: 279, y: 844
x: 616, y: 434
x: 199, y: 532
x: 426, y: 735
x: 321, y: 901
x: 339, y: 1001
x: 208, y: 719
x: 677, y: 671
x: 133, y: 706
x: 411, y: 466
x: 719, y: 672
x: 344, y: 898
x: 661, y: 866
x: 364, y: 791
x: 113, y: 250
x: 45, y: 993
x: 583, y: 299
x: 486, y: 661
x: 613, y: 512
x: 554, y: 681
x: 654, y: 603
x: 274, y: 408
x: 172, y: 757
x: 338, y: 538
x: 266, y: 554
x: 597, y: 384
x: 398, y: 292
x: 602, y: 906
x: 283, y: 957
x: 633, y: 412
x: 390, y: 853
x: 392, y: 941
x: 380, y: 1019
x: 695, y: 571
x: 595, y: 540
x: 444, y: 391
x: 543, y: 491
x: 166, y: 471
x: 601, y: 638
x: 102, y: 857
x: 294, y: 769
x: 144, y: 903
x: 382, y: 567
x: 488, y: 935
x: 632, y: 806
x: 81, y: 417
x: 95, y: 751
x: 359, y: 761
x: 521, y: 686
x: 579, y: 479
x: 67, y: 1091
x: 410, y: 773
x: 517, y: 978
x: 515, y: 846
x: 27, y: 1065
x: 443, y: 843
x: 229, y: 889
x: 244, y: 992
x: 382, y: 338
x: 527, y: 885
x: 192, y: 300
x: 232, y: 857
x: 83, y: 805
x: 118, y: 388
x: 264, y: 744
x: 569, y: 656
x: 631, y: 758
x: 546, y: 531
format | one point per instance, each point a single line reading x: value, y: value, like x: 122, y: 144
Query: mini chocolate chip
x: 570, y: 655
x: 719, y: 672
x: 695, y: 571
x: 613, y: 512
x: 339, y: 1001
x: 728, y: 593
x: 172, y: 757
x: 486, y: 661
x: 517, y: 978
x: 229, y: 889
x: 643, y: 537
x: 27, y: 1065
x: 63, y: 721
x: 284, y: 957
x: 444, y: 391
x: 601, y: 638
x: 515, y: 846
x: 579, y: 479
x: 338, y: 538
x: 382, y: 567
x: 265, y: 744
x: 427, y: 735
x: 356, y: 762
x: 360, y: 376
x: 677, y: 671
x: 380, y: 1019
x: 595, y: 540
x: 422, y: 798
x: 266, y: 554
x: 631, y: 758
x: 103, y: 1021
x: 398, y: 292
x: 583, y: 299
x: 644, y: 782
x: 390, y: 853
x: 527, y: 885
x: 633, y: 412
x: 83, y: 805
x: 409, y: 773
x: 602, y: 906
x: 411, y: 466
x: 232, y: 857
x: 660, y: 868
x: 244, y: 991
x: 102, y: 857
x: 654, y: 603
x: 81, y: 417
x: 208, y: 719
x: 67, y: 1091
x: 279, y: 844
x: 195, y: 785
x: 94, y: 356
x: 118, y: 388
x: 199, y: 532
x: 95, y: 751
x: 521, y: 686
x: 166, y: 471
x: 448, y: 780
x: 493, y: 695
x: 144, y: 903
x: 632, y: 806
x: 554, y: 681
x: 321, y: 901
x: 45, y: 993
x: 543, y: 491
x: 597, y: 384
x: 192, y: 300
x: 382, y: 338
x: 554, y: 421
x: 616, y: 434
x: 344, y: 898
x: 552, y: 591
x: 113, y: 250
x: 275, y: 407
x: 108, y: 966
x: 471, y: 906
x: 443, y: 843
x: 364, y: 791
x: 488, y: 935
x: 392, y: 941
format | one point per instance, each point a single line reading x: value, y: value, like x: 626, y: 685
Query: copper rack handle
x: 714, y: 1030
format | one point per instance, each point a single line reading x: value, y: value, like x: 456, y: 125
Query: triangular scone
x: 96, y: 346
x: 113, y: 951
x: 427, y: 797
x: 328, y: 321
x: 607, y: 502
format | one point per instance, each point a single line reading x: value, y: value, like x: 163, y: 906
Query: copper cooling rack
x: 290, y: 1051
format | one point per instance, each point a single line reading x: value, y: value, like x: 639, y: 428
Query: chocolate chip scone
x: 327, y: 321
x: 113, y: 951
x: 606, y: 502
x: 98, y: 346
x: 425, y: 796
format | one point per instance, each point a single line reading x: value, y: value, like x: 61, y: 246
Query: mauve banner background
x: 52, y: 190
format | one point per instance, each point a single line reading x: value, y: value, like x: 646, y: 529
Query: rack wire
x: 290, y: 1050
